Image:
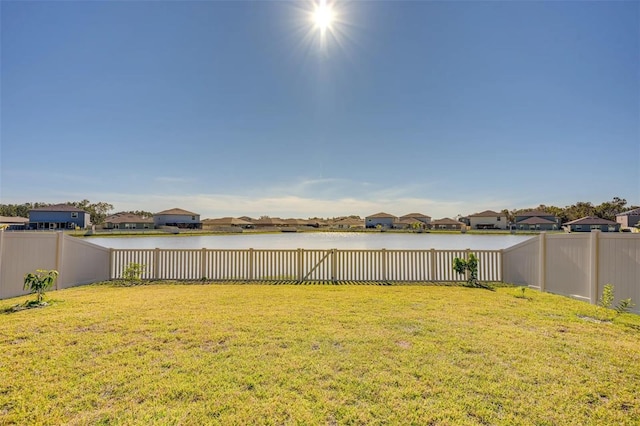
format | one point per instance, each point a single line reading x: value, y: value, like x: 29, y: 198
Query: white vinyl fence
x: 78, y: 262
x: 304, y: 265
x: 577, y: 265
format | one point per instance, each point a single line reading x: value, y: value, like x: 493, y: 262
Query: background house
x: 417, y: 216
x: 347, y: 223
x: 629, y: 219
x: 59, y: 216
x: 447, y: 223
x: 385, y: 220
x: 13, y: 223
x: 128, y: 221
x: 536, y: 220
x: 590, y: 223
x: 488, y: 219
x: 226, y: 222
x: 177, y: 217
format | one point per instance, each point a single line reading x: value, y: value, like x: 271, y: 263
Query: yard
x: 247, y: 354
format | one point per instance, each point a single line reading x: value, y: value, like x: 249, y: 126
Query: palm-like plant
x: 39, y: 282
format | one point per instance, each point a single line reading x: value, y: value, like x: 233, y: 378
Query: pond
x: 318, y: 240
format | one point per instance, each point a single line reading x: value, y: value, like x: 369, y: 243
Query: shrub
x: 608, y: 295
x: 39, y: 282
x: 461, y: 266
x: 132, y: 273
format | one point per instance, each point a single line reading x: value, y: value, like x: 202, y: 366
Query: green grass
x: 254, y: 354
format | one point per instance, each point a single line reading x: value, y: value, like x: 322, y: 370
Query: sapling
x: 39, y: 282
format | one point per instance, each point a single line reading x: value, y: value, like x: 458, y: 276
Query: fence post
x: 112, y: 274
x: 432, y: 266
x: 59, y: 256
x: 542, y: 260
x: 593, y: 266
x: 251, y: 254
x: 467, y: 253
x: 300, y: 263
x: 501, y: 260
x: 383, y: 253
x: 203, y: 264
x: 334, y: 260
x: 156, y: 264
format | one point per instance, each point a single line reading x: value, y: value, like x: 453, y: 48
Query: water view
x: 317, y: 240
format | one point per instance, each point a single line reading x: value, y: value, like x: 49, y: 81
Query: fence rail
x: 303, y: 265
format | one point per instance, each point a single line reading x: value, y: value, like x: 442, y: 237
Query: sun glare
x: 323, y: 16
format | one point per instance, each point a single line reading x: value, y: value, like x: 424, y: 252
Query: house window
x: 578, y: 227
x: 595, y: 226
x: 193, y: 218
x: 74, y: 214
x: 498, y: 218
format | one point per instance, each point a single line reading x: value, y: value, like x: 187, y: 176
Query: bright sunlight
x: 323, y: 16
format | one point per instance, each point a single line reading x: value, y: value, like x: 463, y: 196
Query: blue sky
x: 234, y: 108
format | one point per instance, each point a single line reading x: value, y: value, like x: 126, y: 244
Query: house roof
x: 226, y: 221
x: 382, y: 215
x: 350, y: 221
x: 535, y: 220
x: 296, y: 222
x: 177, y: 212
x: 58, y: 208
x: 127, y: 218
x: 487, y: 213
x: 591, y: 220
x: 534, y: 213
x: 415, y: 216
x: 446, y: 221
x: 269, y: 221
x: 634, y: 212
x: 13, y: 219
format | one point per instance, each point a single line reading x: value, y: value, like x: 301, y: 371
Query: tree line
x: 98, y: 211
x: 606, y: 210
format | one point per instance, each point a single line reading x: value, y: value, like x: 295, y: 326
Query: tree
x: 97, y: 211
x: 40, y: 281
x: 462, y: 266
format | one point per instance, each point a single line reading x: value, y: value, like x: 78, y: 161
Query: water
x: 318, y: 240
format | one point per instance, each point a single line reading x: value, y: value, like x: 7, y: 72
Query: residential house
x: 59, y: 216
x: 536, y: 220
x: 13, y: 223
x: 125, y: 220
x: 629, y: 219
x: 447, y: 223
x: 177, y: 217
x: 417, y: 216
x: 385, y: 220
x: 590, y: 223
x: 409, y: 223
x: 226, y: 222
x: 488, y: 219
x: 348, y: 223
x: 266, y: 222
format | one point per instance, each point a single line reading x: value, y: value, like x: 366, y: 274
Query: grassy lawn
x: 257, y: 354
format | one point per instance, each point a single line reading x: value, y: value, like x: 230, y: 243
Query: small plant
x: 463, y: 266
x: 523, y: 289
x: 606, y: 301
x: 39, y: 282
x: 132, y: 274
x: 605, y: 304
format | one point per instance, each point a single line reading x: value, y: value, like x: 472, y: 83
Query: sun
x: 323, y: 16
